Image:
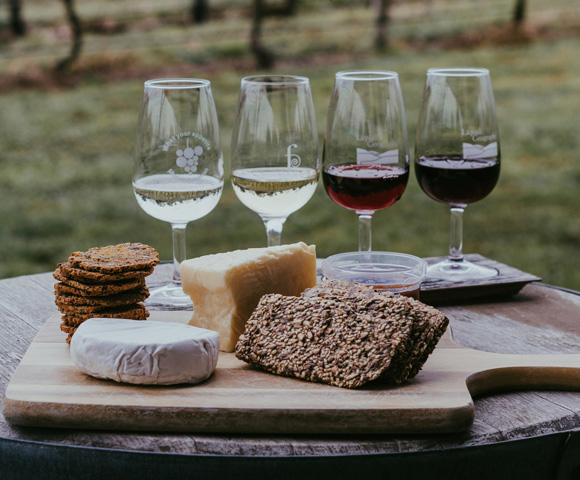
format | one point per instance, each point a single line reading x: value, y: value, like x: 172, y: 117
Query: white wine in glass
x: 178, y: 168
x: 275, y: 160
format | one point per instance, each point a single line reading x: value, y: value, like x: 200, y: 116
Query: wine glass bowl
x: 274, y: 161
x: 178, y: 165
x: 457, y: 154
x: 366, y: 153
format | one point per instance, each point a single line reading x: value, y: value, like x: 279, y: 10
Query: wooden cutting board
x: 47, y: 390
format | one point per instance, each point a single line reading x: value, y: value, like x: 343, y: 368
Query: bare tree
x: 519, y: 13
x: 17, y: 24
x: 200, y: 11
x: 382, y: 21
x: 265, y: 58
x: 289, y: 8
x: 77, y: 37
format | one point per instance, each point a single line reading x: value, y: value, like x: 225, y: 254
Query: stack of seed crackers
x: 104, y: 282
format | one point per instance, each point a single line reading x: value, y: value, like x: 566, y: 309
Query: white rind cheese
x: 144, y: 352
x: 225, y: 288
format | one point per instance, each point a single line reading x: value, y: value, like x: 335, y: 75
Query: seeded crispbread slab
x: 321, y: 339
x: 125, y: 298
x: 339, y: 289
x: 74, y: 287
x: 428, y: 325
x: 87, y: 277
x: 115, y: 258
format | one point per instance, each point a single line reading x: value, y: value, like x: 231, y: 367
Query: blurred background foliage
x: 68, y: 120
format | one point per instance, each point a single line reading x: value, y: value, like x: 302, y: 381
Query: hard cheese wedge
x: 225, y: 288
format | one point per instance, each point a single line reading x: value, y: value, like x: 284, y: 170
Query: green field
x: 66, y: 150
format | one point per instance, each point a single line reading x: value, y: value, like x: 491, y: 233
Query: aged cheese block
x: 226, y: 287
x: 144, y: 352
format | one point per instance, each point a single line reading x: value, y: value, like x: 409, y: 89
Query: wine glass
x: 457, y: 154
x: 178, y: 168
x: 274, y: 161
x: 365, y: 160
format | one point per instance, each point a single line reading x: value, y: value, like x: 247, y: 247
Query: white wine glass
x: 365, y: 160
x: 457, y: 155
x: 274, y: 151
x: 178, y: 166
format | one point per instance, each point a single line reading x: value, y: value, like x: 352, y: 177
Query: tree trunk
x: 77, y: 37
x: 17, y: 24
x: 200, y: 11
x: 264, y: 57
x: 382, y: 23
x: 519, y: 13
x: 286, y: 9
x: 291, y: 7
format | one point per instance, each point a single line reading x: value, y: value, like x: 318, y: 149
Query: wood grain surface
x: 47, y: 390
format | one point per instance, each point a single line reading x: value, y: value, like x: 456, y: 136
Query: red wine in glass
x: 365, y: 187
x: 365, y: 159
x: 457, y: 155
x: 456, y: 180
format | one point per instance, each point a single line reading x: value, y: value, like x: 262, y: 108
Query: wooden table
x: 515, y: 435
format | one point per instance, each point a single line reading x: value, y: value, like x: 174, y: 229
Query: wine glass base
x: 459, y: 271
x: 170, y: 297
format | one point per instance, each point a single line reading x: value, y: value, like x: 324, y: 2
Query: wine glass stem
x: 456, y: 235
x: 364, y: 232
x: 274, y: 229
x: 179, y: 251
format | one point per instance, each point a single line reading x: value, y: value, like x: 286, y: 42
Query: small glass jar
x: 395, y: 272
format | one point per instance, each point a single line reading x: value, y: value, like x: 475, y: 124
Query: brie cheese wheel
x: 144, y: 352
x: 225, y: 288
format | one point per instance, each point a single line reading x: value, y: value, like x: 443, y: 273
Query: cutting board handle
x: 503, y: 372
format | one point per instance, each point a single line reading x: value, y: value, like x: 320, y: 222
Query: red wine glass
x: 366, y: 153
x: 457, y: 154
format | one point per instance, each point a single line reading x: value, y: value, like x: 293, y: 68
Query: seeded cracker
x: 125, y: 298
x: 67, y: 270
x: 323, y: 340
x: 339, y: 289
x: 64, y: 289
x: 132, y: 312
x: 73, y: 287
x: 428, y: 325
x: 115, y: 258
x: 339, y: 333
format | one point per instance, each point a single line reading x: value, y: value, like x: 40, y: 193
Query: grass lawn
x: 66, y: 156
